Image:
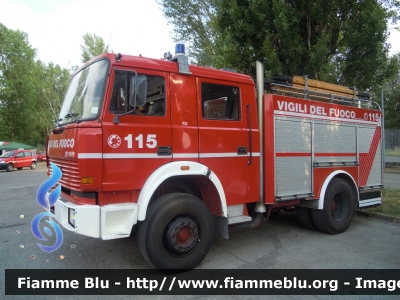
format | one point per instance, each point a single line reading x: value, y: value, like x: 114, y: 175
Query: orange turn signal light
x: 87, y: 180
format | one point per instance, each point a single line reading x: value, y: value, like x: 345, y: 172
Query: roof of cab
x: 170, y: 66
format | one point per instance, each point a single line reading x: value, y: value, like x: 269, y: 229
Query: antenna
x: 108, y: 42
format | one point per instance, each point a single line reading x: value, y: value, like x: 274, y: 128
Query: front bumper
x: 106, y: 222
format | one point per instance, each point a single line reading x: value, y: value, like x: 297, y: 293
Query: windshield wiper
x: 57, y: 121
x: 71, y: 115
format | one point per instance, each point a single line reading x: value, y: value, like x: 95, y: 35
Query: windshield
x: 85, y: 92
x: 8, y: 154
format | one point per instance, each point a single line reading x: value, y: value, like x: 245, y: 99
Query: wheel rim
x: 181, y: 235
x: 338, y: 207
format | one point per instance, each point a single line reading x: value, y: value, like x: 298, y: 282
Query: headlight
x: 71, y: 217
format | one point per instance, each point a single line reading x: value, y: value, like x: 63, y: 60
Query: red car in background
x: 18, y: 159
x: 41, y: 156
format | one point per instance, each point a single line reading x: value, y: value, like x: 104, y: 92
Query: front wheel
x: 10, y: 168
x: 177, y: 232
x: 339, y: 208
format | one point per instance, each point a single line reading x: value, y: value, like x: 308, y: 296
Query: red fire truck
x: 185, y: 153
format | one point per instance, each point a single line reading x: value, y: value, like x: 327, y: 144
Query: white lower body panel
x: 236, y: 214
x: 107, y: 222
x: 370, y: 202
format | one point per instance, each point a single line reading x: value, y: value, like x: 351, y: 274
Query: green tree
x: 93, y: 45
x: 338, y: 41
x: 30, y: 91
x: 194, y: 24
x: 17, y: 68
x: 391, y: 90
x: 53, y: 83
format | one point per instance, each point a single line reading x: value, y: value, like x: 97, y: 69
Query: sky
x: 56, y: 27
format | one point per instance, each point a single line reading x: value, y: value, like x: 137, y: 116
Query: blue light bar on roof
x: 179, y: 49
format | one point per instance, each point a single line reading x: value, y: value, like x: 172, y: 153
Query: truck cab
x: 133, y: 129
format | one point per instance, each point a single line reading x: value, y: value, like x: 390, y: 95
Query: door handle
x: 164, y: 151
x: 250, y: 135
x: 242, y: 150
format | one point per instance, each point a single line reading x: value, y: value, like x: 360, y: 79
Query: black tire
x: 305, y: 218
x: 339, y: 208
x: 182, y: 213
x: 177, y: 186
x: 10, y: 168
x: 19, y: 168
x: 33, y: 165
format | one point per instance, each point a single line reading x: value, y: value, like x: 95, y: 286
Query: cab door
x: 141, y: 142
x: 28, y: 158
x: 19, y: 160
x: 223, y: 136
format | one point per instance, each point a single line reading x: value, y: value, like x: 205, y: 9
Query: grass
x: 392, y: 152
x: 392, y: 169
x: 390, y: 203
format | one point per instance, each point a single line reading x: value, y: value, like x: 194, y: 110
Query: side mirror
x: 138, y: 92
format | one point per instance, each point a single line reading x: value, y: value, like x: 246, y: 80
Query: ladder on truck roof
x: 302, y: 87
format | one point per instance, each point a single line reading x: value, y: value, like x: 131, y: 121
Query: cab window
x: 155, y: 101
x: 220, y: 101
x: 20, y: 154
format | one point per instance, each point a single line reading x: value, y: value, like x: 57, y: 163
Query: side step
x: 236, y: 214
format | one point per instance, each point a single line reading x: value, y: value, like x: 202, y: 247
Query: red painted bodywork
x: 190, y: 136
x: 276, y: 105
x: 41, y: 157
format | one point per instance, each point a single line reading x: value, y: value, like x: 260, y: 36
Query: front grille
x: 70, y: 173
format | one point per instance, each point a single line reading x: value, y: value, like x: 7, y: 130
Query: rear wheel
x: 10, y: 168
x: 339, y: 208
x: 33, y: 165
x: 177, y: 232
x: 305, y: 218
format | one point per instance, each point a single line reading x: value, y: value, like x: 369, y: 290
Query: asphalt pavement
x: 281, y: 243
